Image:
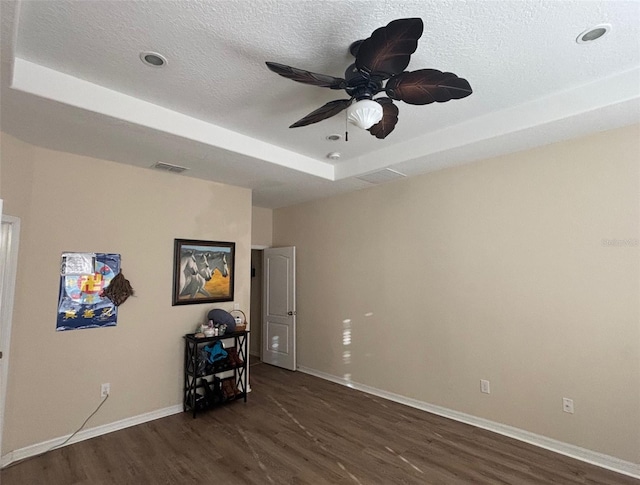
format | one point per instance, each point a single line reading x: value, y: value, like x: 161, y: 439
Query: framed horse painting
x: 202, y: 271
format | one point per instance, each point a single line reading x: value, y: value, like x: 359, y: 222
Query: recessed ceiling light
x: 593, y: 33
x: 333, y: 155
x: 334, y: 137
x: 153, y: 59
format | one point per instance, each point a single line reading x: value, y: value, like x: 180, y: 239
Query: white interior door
x: 279, y: 307
x: 8, y: 266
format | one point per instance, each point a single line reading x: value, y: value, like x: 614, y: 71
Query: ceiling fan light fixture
x: 364, y: 113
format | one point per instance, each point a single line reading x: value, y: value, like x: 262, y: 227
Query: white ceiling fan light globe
x: 364, y: 113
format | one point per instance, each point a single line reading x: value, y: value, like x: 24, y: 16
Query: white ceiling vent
x: 381, y: 176
x: 167, y: 167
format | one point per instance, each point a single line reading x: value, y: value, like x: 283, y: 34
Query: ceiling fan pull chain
x: 346, y: 126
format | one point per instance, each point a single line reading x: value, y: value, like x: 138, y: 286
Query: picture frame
x: 203, y: 271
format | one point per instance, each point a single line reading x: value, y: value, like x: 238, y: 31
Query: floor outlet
x: 105, y: 390
x: 567, y: 405
x: 484, y: 386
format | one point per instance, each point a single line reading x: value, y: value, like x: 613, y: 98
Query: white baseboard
x: 85, y: 434
x: 582, y: 454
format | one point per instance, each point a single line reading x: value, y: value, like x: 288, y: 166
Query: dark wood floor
x: 298, y: 429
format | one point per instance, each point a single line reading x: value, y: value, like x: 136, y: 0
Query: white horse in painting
x: 194, y: 274
x: 218, y: 261
x: 197, y: 268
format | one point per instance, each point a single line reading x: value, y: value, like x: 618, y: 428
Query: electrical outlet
x: 567, y: 405
x: 484, y: 386
x: 236, y: 306
x: 105, y: 389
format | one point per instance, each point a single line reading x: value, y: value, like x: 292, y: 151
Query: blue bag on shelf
x: 215, y: 352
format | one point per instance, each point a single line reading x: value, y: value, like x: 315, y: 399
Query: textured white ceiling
x: 226, y: 116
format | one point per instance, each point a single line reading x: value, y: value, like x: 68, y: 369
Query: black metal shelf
x: 194, y: 401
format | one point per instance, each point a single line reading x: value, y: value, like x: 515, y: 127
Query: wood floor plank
x: 298, y: 429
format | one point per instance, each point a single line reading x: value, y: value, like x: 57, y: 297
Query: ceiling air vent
x: 381, y: 176
x: 167, y: 167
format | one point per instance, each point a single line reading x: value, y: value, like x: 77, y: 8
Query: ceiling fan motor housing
x: 360, y: 85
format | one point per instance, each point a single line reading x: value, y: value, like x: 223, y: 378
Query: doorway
x: 256, y: 303
x: 279, y: 307
x: 273, y: 306
x: 9, y: 237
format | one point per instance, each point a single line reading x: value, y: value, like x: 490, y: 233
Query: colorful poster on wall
x: 83, y: 277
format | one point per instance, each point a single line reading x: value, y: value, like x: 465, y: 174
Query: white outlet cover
x: 485, y: 386
x: 567, y: 405
x: 105, y: 390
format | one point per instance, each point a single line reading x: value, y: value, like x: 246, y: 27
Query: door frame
x: 7, y: 295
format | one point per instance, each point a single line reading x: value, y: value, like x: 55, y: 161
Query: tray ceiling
x: 72, y: 80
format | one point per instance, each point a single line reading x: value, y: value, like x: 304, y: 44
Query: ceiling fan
x: 380, y: 63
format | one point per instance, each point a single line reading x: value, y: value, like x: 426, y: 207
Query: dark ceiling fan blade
x: 427, y: 86
x: 388, y: 51
x: 307, y: 77
x: 388, y: 121
x: 330, y: 109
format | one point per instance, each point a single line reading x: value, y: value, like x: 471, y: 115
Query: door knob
x: 291, y: 313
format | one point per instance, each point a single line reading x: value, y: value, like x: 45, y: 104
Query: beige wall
x: 72, y: 203
x: 261, y: 226
x: 501, y: 270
